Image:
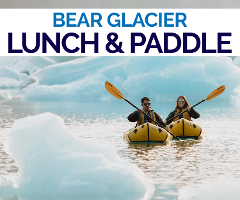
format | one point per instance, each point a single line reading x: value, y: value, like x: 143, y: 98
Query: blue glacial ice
x: 160, y: 78
x: 220, y: 188
x: 15, y: 72
x: 5, y: 96
x: 55, y: 164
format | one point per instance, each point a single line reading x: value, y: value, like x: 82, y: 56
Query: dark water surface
x: 193, y: 169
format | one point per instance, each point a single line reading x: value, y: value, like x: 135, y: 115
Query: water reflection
x: 179, y: 149
x: 186, y: 146
x: 145, y: 146
x: 170, y: 165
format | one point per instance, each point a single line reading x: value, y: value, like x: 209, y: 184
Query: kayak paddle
x: 212, y: 95
x: 115, y: 92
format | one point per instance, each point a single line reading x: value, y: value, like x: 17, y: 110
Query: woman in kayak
x: 182, y: 105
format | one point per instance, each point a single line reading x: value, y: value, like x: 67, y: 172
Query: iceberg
x: 11, y: 78
x: 27, y: 65
x: 159, y: 78
x: 221, y: 189
x: 236, y: 61
x: 54, y: 164
x: 5, y: 96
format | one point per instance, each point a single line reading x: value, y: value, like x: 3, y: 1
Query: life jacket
x: 184, y: 115
x: 141, y: 118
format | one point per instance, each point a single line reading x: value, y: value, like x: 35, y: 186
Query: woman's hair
x: 186, y: 102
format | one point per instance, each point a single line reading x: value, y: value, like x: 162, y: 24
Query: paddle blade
x: 113, y: 90
x: 216, y: 92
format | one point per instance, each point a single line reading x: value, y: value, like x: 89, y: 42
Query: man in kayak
x: 182, y: 105
x: 141, y: 118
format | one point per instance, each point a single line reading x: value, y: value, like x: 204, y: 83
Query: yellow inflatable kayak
x: 185, y: 128
x: 147, y: 133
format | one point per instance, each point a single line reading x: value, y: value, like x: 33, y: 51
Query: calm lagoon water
x: 193, y: 169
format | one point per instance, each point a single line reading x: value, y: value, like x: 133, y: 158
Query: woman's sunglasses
x: 181, y: 100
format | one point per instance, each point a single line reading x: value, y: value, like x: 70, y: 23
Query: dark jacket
x: 193, y: 113
x: 133, y: 117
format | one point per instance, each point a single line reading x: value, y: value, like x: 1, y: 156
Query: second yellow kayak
x: 185, y: 128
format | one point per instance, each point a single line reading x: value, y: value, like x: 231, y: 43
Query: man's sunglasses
x: 147, y: 104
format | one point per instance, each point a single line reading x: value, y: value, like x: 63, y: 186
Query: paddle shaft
x: 185, y: 111
x: 151, y: 118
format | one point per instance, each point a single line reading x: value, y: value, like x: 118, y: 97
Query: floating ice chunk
x: 237, y: 61
x: 60, y: 59
x: 236, y: 96
x: 26, y: 64
x: 71, y: 71
x: 159, y: 78
x: 31, y: 64
x: 5, y: 96
x: 220, y: 189
x: 11, y: 78
x: 36, y: 63
x: 6, y: 72
x: 29, y: 80
x: 53, y: 162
